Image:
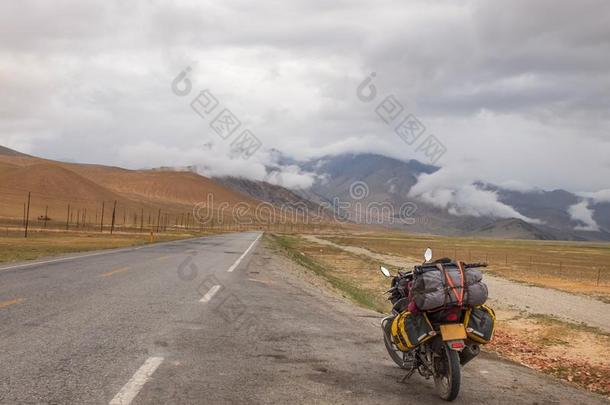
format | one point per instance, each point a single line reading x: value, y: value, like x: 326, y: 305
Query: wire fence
x: 587, y: 264
x: 589, y: 271
x: 72, y: 214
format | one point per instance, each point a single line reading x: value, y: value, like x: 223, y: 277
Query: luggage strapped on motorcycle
x: 447, y: 284
x: 410, y: 330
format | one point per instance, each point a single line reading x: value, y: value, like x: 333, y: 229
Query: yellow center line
x: 4, y: 304
x: 162, y: 258
x: 113, y: 272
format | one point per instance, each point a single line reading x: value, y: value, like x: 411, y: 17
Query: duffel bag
x: 475, y: 290
x: 436, y: 287
x: 480, y: 322
x: 410, y: 331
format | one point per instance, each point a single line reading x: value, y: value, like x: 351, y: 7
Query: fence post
x: 599, y: 273
x: 46, y: 215
x: 141, y: 219
x: 113, y: 217
x: 27, y: 216
x: 68, y: 219
x: 102, y: 221
x: 158, y: 219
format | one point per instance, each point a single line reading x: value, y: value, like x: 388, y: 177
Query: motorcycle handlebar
x: 466, y: 265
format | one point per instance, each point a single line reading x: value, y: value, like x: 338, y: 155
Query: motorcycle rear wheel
x: 447, y: 374
x: 396, y: 355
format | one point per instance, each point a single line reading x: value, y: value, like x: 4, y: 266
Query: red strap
x: 459, y: 297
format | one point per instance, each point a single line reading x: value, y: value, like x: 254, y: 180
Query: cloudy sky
x: 518, y: 94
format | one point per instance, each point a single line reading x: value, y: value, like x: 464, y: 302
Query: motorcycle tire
x: 396, y: 355
x: 447, y: 377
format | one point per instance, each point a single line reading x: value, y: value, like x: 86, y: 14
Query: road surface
x: 215, y: 320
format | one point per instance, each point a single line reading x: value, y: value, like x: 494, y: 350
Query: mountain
x: 371, y: 180
x: 355, y: 188
x: 54, y: 186
x: 601, y: 214
x: 551, y: 207
x: 273, y: 194
x: 4, y: 151
x: 512, y: 228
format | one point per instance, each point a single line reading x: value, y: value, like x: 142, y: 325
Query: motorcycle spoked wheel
x: 447, y: 374
x: 402, y: 360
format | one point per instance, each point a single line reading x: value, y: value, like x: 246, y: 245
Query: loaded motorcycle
x: 438, y: 320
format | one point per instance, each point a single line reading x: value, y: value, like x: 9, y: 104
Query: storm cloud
x: 518, y: 93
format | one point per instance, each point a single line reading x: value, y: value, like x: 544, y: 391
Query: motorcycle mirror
x: 428, y: 255
x: 385, y: 271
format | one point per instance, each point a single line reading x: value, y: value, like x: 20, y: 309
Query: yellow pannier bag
x: 480, y: 322
x: 410, y: 331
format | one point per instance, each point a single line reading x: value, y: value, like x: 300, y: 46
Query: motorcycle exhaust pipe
x: 469, y: 353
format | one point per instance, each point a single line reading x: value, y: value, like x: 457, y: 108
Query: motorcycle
x: 448, y: 349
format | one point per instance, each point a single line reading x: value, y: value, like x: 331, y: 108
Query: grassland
x: 570, y: 266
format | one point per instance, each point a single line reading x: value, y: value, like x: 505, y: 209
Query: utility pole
x: 27, y: 216
x: 141, y: 219
x: 158, y: 219
x: 102, y: 221
x: 46, y: 215
x: 113, y: 217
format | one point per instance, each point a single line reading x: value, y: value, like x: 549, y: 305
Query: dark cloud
x: 517, y: 92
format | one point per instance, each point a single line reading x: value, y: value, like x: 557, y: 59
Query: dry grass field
x: 570, y: 266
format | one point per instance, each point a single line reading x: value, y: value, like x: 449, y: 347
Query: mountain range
x: 349, y: 183
x: 352, y: 188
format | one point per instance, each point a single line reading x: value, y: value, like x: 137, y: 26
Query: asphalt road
x: 216, y: 320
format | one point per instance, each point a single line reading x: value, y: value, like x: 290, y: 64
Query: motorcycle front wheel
x: 396, y: 355
x: 447, y: 374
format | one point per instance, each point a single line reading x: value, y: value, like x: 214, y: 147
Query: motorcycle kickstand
x: 408, y: 375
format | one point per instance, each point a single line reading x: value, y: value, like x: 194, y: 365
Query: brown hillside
x: 86, y: 186
x: 53, y: 186
x: 175, y: 187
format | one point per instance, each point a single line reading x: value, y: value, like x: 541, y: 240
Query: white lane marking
x: 135, y: 384
x: 234, y: 266
x: 208, y: 296
x: 65, y: 259
x: 107, y: 252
